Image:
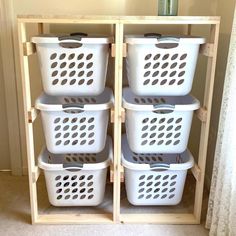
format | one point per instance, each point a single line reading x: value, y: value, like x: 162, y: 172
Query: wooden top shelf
x: 86, y: 19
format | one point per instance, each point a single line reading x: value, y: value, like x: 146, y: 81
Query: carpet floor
x: 15, y: 216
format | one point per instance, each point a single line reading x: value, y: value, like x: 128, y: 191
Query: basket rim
x: 42, y: 103
x: 191, y: 104
x: 137, y: 166
x: 53, y: 38
x: 182, y: 39
x: 86, y: 166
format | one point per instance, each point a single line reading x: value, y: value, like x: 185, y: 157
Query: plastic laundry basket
x: 161, y: 65
x: 158, y: 124
x: 75, y: 124
x: 73, y: 65
x: 154, y: 179
x: 76, y: 179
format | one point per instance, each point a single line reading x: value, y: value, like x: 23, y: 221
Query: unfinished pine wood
x: 28, y: 126
x: 119, y: 50
x: 35, y: 174
x: 201, y: 114
x: 208, y: 94
x: 196, y: 172
x: 78, y: 19
x: 207, y: 49
x: 176, y: 218
x: 74, y: 219
x: 32, y: 114
x: 118, y: 120
x: 122, y: 177
x: 29, y: 48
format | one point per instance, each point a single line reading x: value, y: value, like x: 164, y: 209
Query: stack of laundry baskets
x: 159, y: 110
x: 75, y: 111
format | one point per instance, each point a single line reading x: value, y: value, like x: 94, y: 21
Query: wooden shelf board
x: 74, y: 219
x: 174, y: 218
x: 81, y: 19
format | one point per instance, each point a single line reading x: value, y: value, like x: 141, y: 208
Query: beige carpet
x: 15, y: 216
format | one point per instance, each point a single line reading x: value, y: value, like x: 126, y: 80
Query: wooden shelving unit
x: 118, y: 23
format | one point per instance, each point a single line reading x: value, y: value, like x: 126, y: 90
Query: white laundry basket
x: 76, y: 179
x: 161, y: 65
x: 75, y: 124
x: 73, y: 65
x: 158, y: 124
x: 154, y: 179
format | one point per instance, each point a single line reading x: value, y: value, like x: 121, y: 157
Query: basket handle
x: 168, y: 38
x: 73, y: 106
x: 73, y: 166
x: 152, y: 35
x: 163, y: 107
x: 73, y: 36
x: 160, y: 166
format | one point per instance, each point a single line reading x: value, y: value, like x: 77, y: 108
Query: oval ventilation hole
x: 147, y: 57
x: 53, y: 56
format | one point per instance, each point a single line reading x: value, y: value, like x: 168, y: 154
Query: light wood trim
x: 122, y: 117
x: 125, y: 48
x: 25, y: 80
x: 159, y: 218
x: 36, y: 174
x: 196, y: 172
x: 113, y: 53
x: 29, y: 48
x: 68, y: 19
x: 81, y: 19
x: 117, y: 117
x: 207, y: 49
x: 113, y: 50
x: 201, y: 114
x: 74, y: 219
x: 122, y: 177
x: 173, y: 20
x: 32, y: 114
x: 112, y: 115
x: 208, y: 94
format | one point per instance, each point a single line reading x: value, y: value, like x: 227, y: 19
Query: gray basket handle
x: 160, y: 166
x: 73, y: 106
x: 168, y: 38
x: 152, y: 35
x: 163, y: 107
x: 73, y: 36
x: 73, y: 166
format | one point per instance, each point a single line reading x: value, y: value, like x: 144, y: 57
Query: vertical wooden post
x: 25, y: 81
x: 189, y: 29
x: 209, y: 85
x: 117, y: 120
x: 40, y: 28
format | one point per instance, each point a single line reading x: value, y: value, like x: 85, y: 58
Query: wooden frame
x: 119, y: 51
